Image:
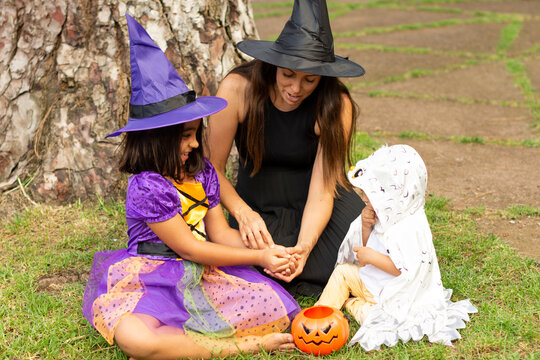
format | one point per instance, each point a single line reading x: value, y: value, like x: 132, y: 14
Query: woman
x: 292, y: 121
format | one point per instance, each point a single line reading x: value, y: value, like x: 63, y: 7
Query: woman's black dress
x: 279, y: 190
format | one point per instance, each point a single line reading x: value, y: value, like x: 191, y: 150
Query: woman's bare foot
x: 278, y: 341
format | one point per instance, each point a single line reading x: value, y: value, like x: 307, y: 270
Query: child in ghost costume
x: 392, y: 270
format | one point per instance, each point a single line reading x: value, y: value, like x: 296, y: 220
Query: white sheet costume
x: 415, y: 303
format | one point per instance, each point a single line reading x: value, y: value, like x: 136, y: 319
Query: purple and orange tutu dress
x: 216, y: 306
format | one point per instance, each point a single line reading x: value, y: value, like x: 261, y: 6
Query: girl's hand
x: 363, y: 254
x: 253, y: 230
x: 299, y: 257
x: 293, y: 264
x: 275, y: 259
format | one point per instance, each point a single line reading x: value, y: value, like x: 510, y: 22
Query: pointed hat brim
x: 203, y: 106
x: 266, y: 51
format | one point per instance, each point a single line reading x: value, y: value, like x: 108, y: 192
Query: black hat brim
x: 264, y: 51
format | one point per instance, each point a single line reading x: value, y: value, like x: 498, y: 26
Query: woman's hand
x: 253, y: 230
x: 275, y: 259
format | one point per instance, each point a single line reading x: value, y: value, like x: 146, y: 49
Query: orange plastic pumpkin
x: 319, y: 330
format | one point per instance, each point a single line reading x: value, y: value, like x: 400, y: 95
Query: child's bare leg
x: 337, y: 289
x: 137, y: 340
x: 278, y: 341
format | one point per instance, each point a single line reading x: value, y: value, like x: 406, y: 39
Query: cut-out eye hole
x: 306, y: 329
x: 358, y: 173
x: 327, y: 329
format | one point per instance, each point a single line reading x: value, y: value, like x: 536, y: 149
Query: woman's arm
x: 177, y: 235
x: 222, y: 128
x: 320, y: 200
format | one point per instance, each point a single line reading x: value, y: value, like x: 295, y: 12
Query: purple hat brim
x: 201, y: 107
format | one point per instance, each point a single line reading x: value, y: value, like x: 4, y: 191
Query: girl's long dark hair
x: 158, y: 150
x: 328, y: 104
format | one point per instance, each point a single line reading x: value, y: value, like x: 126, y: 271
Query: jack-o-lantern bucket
x: 319, y: 330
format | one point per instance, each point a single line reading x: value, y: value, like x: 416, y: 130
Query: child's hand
x: 366, y: 255
x: 369, y: 217
x: 276, y: 259
x: 363, y: 254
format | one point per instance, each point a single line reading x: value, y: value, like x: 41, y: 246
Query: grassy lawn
x: 46, y: 252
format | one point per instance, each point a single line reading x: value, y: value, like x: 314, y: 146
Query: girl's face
x: 293, y: 87
x: 189, y: 139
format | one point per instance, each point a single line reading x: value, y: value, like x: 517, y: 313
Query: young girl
x: 387, y: 260
x: 182, y: 287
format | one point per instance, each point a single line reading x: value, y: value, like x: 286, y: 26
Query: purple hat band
x: 149, y: 110
x: 201, y: 107
x: 159, y: 96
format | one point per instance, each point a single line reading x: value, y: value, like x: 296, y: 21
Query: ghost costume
x: 414, y: 303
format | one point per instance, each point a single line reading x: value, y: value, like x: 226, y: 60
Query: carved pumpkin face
x: 319, y: 330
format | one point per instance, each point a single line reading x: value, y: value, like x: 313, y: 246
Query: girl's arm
x: 221, y: 131
x: 219, y: 231
x: 320, y: 202
x: 177, y: 235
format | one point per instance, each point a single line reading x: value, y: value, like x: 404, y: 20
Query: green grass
x: 416, y: 135
x: 508, y: 35
x: 495, y: 18
x: 517, y: 69
x: 461, y: 100
x: 414, y: 73
x: 47, y: 323
x: 364, y: 145
x: 518, y: 211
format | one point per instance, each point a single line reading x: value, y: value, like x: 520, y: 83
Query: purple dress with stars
x: 215, y: 306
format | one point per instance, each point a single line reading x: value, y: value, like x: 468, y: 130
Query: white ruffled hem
x: 439, y: 322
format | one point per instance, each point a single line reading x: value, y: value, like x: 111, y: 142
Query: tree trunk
x: 65, y: 83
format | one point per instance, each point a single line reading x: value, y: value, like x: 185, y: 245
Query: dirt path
x: 460, y: 83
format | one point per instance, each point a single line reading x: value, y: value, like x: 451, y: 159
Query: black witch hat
x: 305, y: 44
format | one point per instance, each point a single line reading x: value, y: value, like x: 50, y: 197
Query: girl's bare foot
x: 278, y: 341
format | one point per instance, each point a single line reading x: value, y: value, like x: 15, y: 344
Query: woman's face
x: 189, y: 139
x: 293, y: 87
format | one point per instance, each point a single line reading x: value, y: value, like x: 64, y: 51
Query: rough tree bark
x: 64, y: 82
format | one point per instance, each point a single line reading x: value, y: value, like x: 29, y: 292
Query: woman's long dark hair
x: 328, y: 104
x: 158, y: 150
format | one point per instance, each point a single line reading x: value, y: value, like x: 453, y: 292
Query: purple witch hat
x: 159, y: 96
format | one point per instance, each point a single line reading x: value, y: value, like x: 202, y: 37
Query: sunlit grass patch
x: 364, y: 145
x: 517, y: 211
